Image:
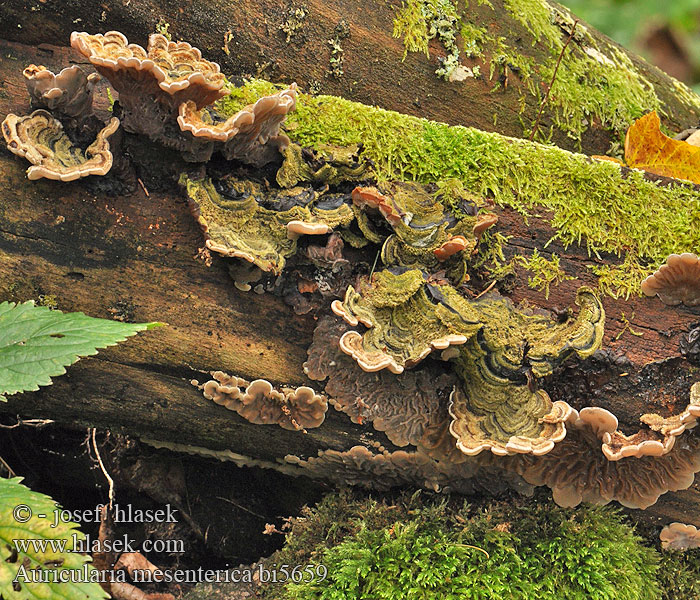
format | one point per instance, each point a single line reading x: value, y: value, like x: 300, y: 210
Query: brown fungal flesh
x: 677, y: 281
x: 67, y: 93
x: 679, y: 536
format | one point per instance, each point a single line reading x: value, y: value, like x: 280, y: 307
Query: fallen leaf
x: 648, y: 149
x: 693, y: 139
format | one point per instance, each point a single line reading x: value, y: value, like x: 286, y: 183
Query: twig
x: 376, y: 258
x: 10, y: 470
x: 241, y: 507
x: 104, y: 471
x: 486, y: 290
x: 29, y: 423
x: 474, y: 548
x: 551, y: 83
x: 143, y: 187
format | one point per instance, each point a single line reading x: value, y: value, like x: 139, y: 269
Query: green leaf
x: 25, y: 564
x: 37, y: 343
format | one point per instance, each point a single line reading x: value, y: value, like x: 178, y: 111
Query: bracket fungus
x: 259, y: 403
x: 506, y: 419
x: 67, y: 94
x: 679, y: 536
x: 251, y: 135
x: 236, y: 223
x: 41, y: 140
x: 657, y: 439
x: 165, y: 92
x: 176, y: 69
x: 405, y: 325
x: 577, y: 471
x: 405, y: 408
x: 425, y: 233
x: 325, y: 164
x: 677, y: 281
x: 361, y: 467
x: 498, y: 407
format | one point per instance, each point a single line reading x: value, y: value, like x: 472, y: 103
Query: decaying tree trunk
x: 135, y: 256
x: 346, y: 48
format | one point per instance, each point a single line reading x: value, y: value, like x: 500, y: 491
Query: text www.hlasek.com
x: 88, y: 546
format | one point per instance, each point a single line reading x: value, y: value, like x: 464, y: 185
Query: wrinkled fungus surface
x: 260, y: 403
x: 69, y: 93
x: 40, y: 139
x: 676, y: 282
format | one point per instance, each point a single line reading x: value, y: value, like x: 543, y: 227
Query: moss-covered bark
x: 135, y: 255
x: 500, y: 55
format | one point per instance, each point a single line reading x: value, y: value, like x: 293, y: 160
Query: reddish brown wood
x: 100, y: 253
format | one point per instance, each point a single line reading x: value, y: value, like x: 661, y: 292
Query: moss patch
x: 595, y: 81
x: 545, y: 272
x: 418, y: 547
x: 591, y: 202
x: 679, y: 575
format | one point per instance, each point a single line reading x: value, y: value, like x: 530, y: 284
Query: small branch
x: 10, y: 470
x: 38, y: 423
x: 104, y: 470
x: 551, y: 83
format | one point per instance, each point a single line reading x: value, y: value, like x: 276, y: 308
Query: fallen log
x: 506, y: 56
x: 135, y: 257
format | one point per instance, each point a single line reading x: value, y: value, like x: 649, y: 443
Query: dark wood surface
x: 103, y: 254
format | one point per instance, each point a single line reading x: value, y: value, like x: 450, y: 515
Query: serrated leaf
x: 37, y: 343
x: 18, y: 566
x: 648, y: 149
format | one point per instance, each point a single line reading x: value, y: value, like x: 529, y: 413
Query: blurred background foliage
x: 666, y: 33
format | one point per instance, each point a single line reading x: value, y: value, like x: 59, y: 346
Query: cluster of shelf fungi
x: 408, y: 346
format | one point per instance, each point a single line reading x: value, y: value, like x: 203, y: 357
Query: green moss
x: 419, y: 21
x: 417, y: 547
x: 294, y: 23
x: 473, y: 39
x: 48, y: 300
x: 679, y: 575
x: 342, y: 31
x: 584, y: 89
x: 162, y: 27
x: 594, y: 82
x: 545, y: 272
x: 492, y: 258
x: 411, y: 24
x: 627, y: 326
x: 623, y: 280
x: 591, y: 203
x: 536, y: 16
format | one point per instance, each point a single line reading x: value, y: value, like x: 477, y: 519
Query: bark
x: 135, y: 256
x: 250, y: 37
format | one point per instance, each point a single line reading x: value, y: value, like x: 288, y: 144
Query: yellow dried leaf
x: 648, y: 149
